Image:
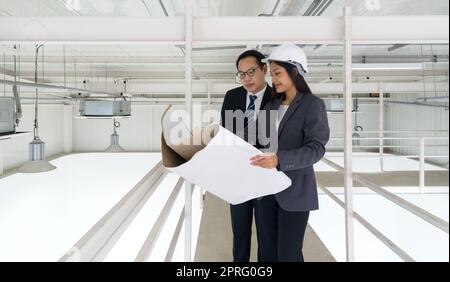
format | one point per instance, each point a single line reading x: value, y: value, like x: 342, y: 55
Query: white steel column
x: 1, y: 158
x: 67, y: 132
x: 188, y: 103
x: 150, y: 138
x: 422, y: 165
x: 348, y: 104
x: 381, y: 123
x: 208, y: 93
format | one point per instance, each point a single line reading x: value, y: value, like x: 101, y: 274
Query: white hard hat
x: 289, y: 53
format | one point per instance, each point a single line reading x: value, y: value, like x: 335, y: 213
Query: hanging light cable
x: 37, y: 162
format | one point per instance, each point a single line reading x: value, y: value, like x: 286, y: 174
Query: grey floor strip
x: 215, y: 238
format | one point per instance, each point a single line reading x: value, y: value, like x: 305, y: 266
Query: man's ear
x: 264, y: 69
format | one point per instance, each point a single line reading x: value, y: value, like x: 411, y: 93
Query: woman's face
x: 280, y: 78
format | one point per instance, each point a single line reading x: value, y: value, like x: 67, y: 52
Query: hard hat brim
x: 299, y: 67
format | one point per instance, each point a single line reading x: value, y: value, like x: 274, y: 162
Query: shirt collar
x: 259, y: 94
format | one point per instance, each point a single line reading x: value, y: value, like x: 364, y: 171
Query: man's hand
x: 266, y: 160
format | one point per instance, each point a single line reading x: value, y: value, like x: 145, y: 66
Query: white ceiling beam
x: 109, y: 30
x: 373, y: 87
x: 400, y: 29
x: 221, y: 87
x: 316, y: 88
x: 327, y: 30
x: 267, y: 30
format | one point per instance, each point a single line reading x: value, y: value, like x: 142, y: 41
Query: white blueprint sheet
x: 223, y: 168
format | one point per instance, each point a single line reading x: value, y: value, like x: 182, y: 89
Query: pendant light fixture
x: 115, y: 147
x: 37, y: 162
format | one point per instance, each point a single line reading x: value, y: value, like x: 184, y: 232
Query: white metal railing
x: 101, y: 238
x: 395, y: 138
x: 391, y: 245
x: 382, y: 155
x: 403, y: 131
x: 149, y: 243
x: 419, y: 212
x: 347, y: 30
x: 175, y: 237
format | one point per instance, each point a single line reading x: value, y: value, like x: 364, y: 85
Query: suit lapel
x: 292, y: 108
x: 242, y: 100
x: 266, y: 97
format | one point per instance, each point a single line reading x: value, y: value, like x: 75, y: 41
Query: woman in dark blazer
x: 302, y: 131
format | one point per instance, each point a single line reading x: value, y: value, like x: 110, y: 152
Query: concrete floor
x: 215, y: 236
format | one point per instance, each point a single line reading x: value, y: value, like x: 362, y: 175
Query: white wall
x: 140, y: 132
x: 15, y: 151
x: 367, y: 118
x: 413, y: 117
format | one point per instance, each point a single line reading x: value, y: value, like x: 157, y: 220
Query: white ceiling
x: 139, y: 8
x: 95, y: 62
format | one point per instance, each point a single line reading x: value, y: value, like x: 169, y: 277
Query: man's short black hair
x: 251, y: 53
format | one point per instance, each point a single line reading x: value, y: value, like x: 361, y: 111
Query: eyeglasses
x: 251, y: 73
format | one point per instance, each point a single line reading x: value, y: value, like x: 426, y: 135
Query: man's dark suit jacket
x: 236, y: 100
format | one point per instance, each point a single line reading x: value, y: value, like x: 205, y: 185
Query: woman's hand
x: 266, y: 160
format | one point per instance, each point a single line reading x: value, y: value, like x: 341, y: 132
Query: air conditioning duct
x: 337, y: 105
x: 7, y: 115
x: 104, y: 108
x: 10, y: 109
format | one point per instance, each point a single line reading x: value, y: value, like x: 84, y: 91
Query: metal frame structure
x: 348, y: 129
x: 222, y: 30
x: 346, y: 30
x: 188, y: 104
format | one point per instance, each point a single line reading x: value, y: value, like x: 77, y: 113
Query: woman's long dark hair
x: 297, y: 79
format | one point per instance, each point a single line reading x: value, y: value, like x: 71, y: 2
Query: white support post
x: 422, y: 165
x: 348, y: 104
x: 1, y: 159
x: 150, y: 128
x: 381, y: 123
x: 67, y: 129
x: 188, y: 103
x: 208, y: 93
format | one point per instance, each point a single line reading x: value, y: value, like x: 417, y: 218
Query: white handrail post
x: 348, y: 105
x: 208, y: 92
x: 1, y: 159
x: 381, y: 123
x: 188, y: 103
x: 422, y: 165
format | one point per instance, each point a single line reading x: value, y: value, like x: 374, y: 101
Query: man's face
x: 254, y: 80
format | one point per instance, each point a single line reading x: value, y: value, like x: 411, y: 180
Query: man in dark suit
x: 240, y: 107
